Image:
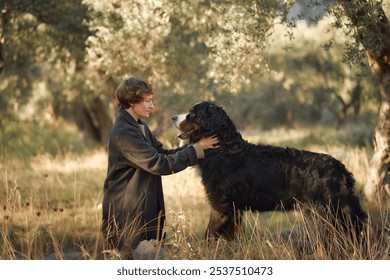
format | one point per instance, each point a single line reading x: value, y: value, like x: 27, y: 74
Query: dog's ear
x: 216, y: 118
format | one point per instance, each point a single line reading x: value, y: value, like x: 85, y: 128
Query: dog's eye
x: 192, y: 114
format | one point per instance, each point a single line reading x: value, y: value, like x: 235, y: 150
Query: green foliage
x: 124, y: 38
x: 23, y: 140
x: 307, y: 81
x: 349, y: 136
x: 161, y: 41
x: 44, y: 42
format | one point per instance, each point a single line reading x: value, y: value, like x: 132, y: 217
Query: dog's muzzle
x: 178, y: 119
x: 185, y: 129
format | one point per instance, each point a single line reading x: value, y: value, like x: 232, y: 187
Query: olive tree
x: 372, y: 31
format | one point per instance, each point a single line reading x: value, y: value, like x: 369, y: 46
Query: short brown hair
x: 131, y: 91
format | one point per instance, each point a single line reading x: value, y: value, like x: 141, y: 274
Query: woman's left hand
x: 209, y: 142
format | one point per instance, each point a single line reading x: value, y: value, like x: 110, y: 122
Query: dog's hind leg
x: 224, y: 225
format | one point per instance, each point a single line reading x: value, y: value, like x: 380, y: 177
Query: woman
x: 133, y: 203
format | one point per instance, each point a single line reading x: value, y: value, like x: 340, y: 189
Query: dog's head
x: 202, y: 120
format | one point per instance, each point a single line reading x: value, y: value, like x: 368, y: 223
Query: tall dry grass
x: 52, y: 210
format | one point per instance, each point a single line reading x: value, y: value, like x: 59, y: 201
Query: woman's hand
x: 209, y: 142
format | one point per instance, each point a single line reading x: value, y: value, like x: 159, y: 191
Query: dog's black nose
x: 174, y: 118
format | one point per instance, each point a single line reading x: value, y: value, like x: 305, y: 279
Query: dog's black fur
x: 241, y: 176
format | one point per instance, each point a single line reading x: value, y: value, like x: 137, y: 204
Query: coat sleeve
x: 159, y: 146
x: 143, y: 155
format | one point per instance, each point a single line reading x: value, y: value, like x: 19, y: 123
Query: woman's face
x: 142, y: 109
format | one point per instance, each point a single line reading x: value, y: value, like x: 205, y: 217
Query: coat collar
x: 129, y: 118
x: 124, y: 114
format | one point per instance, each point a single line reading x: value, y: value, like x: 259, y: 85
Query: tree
x: 161, y: 41
x: 373, y: 32
x: 44, y: 42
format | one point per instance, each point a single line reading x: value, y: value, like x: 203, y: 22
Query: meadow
x: 51, y: 209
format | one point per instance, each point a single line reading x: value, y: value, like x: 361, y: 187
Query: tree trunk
x: 354, y: 103
x: 378, y: 184
x: 85, y: 123
x: 102, y: 119
x: 373, y: 29
x: 94, y: 121
x: 342, y: 114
